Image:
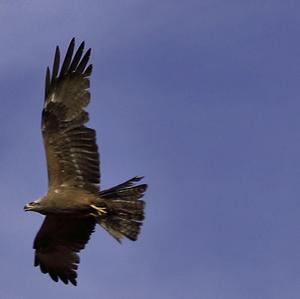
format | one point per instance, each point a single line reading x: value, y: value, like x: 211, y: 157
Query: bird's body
x: 74, y: 202
x: 69, y: 200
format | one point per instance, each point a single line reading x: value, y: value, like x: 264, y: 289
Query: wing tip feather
x: 77, y: 63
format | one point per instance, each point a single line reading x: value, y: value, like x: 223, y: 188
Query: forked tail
x: 125, y: 209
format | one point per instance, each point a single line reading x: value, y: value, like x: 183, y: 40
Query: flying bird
x: 74, y: 203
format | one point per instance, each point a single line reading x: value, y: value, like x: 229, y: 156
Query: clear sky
x: 203, y: 98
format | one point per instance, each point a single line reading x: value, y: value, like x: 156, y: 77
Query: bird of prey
x: 74, y: 202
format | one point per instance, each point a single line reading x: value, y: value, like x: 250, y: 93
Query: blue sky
x: 201, y: 97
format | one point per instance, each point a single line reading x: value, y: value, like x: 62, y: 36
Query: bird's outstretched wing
x: 71, y: 149
x: 57, y: 244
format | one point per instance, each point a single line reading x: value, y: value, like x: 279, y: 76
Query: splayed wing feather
x: 55, y: 65
x: 47, y: 81
x: 68, y: 58
x: 77, y: 57
x: 71, y: 149
x: 84, y: 61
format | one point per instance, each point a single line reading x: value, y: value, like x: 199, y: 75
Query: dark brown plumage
x: 74, y: 203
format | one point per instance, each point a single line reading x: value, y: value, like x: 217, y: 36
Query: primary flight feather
x: 74, y: 203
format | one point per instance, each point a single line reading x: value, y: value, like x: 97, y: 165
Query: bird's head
x: 33, y: 206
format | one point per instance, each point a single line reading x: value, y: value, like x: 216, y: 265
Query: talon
x: 100, y: 211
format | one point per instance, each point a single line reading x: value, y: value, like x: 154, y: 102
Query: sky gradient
x: 200, y: 97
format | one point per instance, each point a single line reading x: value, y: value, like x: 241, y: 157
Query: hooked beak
x: 28, y: 207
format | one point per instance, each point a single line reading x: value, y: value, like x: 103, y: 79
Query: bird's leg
x: 100, y: 211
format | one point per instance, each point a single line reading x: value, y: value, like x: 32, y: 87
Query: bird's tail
x: 125, y: 209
